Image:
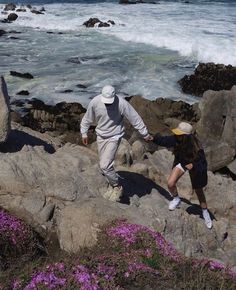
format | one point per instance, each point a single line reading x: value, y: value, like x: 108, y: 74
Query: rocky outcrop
x: 162, y: 114
x: 80, y: 223
x: 34, y: 11
x: 5, y: 125
x: 92, y: 22
x: 62, y: 192
x: 217, y: 126
x: 12, y: 17
x: 209, y: 76
x: 9, y: 7
x: 63, y: 119
x: 60, y: 175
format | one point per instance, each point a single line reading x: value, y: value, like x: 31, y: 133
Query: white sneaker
x: 116, y: 193
x: 174, y: 203
x: 207, y: 218
x: 113, y: 193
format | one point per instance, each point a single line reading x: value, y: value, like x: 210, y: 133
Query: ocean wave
x: 205, y: 32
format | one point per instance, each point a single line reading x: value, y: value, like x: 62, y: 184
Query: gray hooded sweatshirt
x: 109, y: 118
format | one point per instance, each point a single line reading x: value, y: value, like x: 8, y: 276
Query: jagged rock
x: 124, y: 153
x: 5, y: 125
x: 218, y: 154
x: 218, y: 111
x: 95, y: 21
x: 12, y: 17
x: 21, y: 10
x: 138, y: 150
x: 9, y: 6
x: 59, y: 175
x: 62, y: 118
x: 21, y: 75
x: 209, y: 76
x: 79, y: 224
x: 232, y: 167
x: 23, y: 93
x: 36, y: 11
x: 155, y: 112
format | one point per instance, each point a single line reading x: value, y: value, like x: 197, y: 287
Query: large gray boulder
x: 5, y: 125
x: 217, y: 126
x: 218, y: 116
x: 78, y: 224
x: 61, y: 175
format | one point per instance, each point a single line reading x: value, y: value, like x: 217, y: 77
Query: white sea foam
x: 204, y: 32
x: 146, y: 52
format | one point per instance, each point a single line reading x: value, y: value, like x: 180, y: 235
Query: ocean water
x: 148, y: 50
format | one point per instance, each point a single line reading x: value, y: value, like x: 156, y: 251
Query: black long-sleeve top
x: 199, y: 163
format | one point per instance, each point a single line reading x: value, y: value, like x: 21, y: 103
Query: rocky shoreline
x: 55, y: 185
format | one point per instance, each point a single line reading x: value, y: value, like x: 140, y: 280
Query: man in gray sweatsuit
x: 108, y: 111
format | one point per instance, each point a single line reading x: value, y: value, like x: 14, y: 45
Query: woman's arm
x: 165, y: 141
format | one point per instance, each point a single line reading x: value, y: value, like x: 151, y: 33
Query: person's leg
x: 107, y: 149
x: 201, y: 197
x: 175, y: 175
x: 199, y: 181
x: 203, y: 204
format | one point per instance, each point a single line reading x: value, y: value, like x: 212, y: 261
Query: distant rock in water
x: 36, y: 11
x: 209, y: 76
x: 21, y: 75
x: 137, y: 2
x: 2, y: 32
x: 12, y: 17
x: 21, y: 10
x: 10, y: 7
x: 23, y: 93
x: 95, y: 21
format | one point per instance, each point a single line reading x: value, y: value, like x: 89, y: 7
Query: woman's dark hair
x: 188, y: 146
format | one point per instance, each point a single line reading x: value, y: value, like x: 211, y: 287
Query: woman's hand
x: 189, y: 166
x: 148, y: 138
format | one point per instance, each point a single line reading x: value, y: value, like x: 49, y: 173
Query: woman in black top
x: 189, y: 156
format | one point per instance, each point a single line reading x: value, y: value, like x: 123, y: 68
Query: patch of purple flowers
x: 130, y: 233
x: 49, y: 278
x: 86, y: 280
x: 14, y: 232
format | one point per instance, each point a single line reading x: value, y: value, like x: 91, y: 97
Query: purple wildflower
x: 86, y: 280
x: 129, y: 234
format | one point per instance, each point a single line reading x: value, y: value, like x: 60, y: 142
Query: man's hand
x: 85, y: 140
x: 148, y: 138
x: 189, y: 166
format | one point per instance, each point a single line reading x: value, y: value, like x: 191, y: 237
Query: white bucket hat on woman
x: 108, y: 95
x: 183, y: 129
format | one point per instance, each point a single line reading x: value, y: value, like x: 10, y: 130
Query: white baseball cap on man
x: 183, y: 129
x: 108, y: 94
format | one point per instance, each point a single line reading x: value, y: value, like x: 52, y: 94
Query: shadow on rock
x: 195, y: 209
x: 17, y: 139
x: 137, y: 184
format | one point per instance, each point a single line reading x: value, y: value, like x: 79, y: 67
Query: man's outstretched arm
x: 136, y: 121
x: 86, y: 122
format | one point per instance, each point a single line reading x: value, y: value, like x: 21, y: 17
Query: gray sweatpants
x: 106, y: 151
